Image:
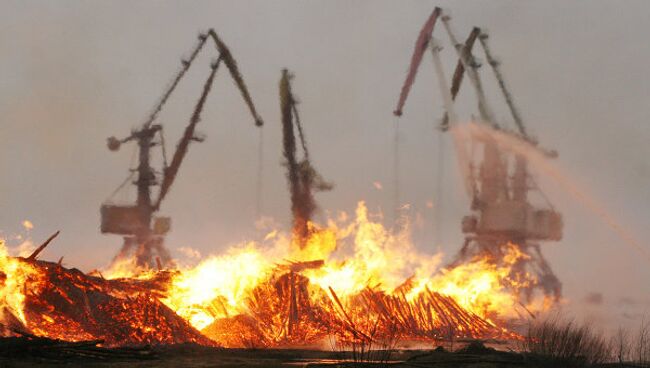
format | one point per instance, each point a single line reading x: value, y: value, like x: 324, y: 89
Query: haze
x: 74, y: 73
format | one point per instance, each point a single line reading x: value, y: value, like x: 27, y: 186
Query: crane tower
x: 142, y: 228
x: 496, y: 177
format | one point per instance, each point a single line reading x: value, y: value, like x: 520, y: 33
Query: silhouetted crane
x: 143, y: 231
x: 303, y: 178
x: 499, y: 184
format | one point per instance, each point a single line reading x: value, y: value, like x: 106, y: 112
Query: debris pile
x: 67, y: 304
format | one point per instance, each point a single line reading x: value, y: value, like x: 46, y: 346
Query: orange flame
x: 354, y: 280
x: 13, y: 277
x: 350, y: 259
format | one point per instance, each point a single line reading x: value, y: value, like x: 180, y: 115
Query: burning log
x: 374, y: 315
x: 42, y: 246
x: 301, y: 266
x: 285, y: 310
x: 69, y: 305
x: 289, y: 311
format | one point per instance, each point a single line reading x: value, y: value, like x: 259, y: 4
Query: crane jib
x: 224, y: 52
x: 416, y: 59
x: 181, y: 149
x: 141, y: 229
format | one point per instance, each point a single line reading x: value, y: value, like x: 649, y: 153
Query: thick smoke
x: 540, y: 161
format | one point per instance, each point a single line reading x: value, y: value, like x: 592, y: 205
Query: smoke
x: 594, y: 298
x: 189, y: 252
x: 531, y: 260
x: 145, y: 254
x: 536, y: 157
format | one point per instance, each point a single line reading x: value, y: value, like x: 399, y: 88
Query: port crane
x: 302, y: 177
x: 497, y: 182
x: 142, y: 229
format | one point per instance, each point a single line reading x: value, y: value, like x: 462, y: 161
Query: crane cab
x: 131, y: 220
x: 515, y: 219
x: 122, y: 220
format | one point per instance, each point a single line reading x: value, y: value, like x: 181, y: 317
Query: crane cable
x: 185, y: 66
x: 438, y: 201
x: 502, y: 85
x: 127, y: 179
x: 260, y: 173
x: 181, y: 149
x: 396, y: 176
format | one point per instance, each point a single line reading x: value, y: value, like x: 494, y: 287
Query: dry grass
x: 566, y: 342
x: 633, y: 346
x: 374, y: 344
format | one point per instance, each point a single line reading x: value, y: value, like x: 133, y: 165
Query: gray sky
x: 76, y: 72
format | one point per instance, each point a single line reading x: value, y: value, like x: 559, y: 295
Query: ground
x: 471, y: 356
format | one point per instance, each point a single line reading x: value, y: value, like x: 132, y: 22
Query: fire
x: 370, y: 255
x: 339, y: 266
x: 353, y: 280
x: 218, y: 286
x: 14, y: 275
x: 481, y: 286
x: 126, y: 268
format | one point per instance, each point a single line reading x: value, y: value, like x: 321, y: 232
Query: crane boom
x: 226, y: 57
x: 459, y: 72
x: 143, y: 230
x: 185, y: 66
x: 502, y: 84
x: 502, y: 215
x: 181, y: 149
x: 465, y: 57
x: 302, y: 201
x: 462, y: 155
x: 416, y: 59
x: 303, y: 178
x: 460, y: 69
x: 224, y: 53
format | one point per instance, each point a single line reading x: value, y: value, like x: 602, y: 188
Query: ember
x: 67, y: 304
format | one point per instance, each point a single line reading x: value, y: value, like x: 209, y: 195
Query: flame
x: 354, y: 279
x: 481, y: 286
x: 14, y: 275
x: 28, y: 225
x: 218, y: 282
x: 369, y: 254
x: 126, y: 267
x: 340, y: 263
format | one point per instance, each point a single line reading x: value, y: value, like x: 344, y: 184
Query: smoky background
x: 74, y: 73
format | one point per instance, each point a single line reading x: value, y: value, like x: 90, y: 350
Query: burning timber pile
x: 253, y: 296
x: 69, y: 305
x: 284, y: 312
